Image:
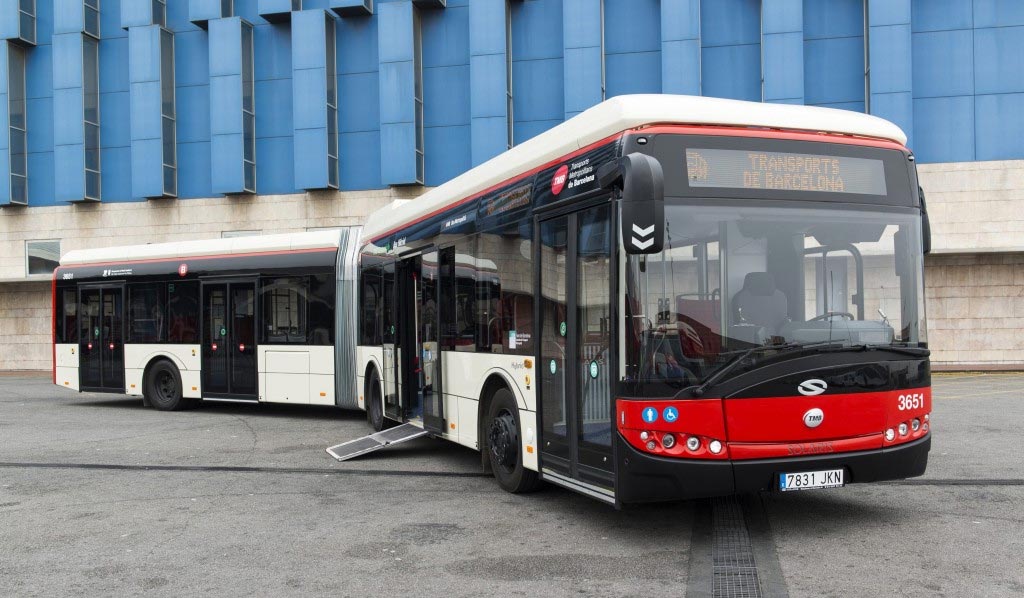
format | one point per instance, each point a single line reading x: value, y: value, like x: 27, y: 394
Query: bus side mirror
x: 643, y: 200
x: 926, y: 225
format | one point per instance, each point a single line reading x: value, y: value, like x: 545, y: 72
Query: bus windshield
x: 737, y: 276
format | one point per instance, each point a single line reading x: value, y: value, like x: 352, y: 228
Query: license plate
x: 809, y: 480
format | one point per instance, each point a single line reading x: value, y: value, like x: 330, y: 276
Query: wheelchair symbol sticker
x: 670, y: 414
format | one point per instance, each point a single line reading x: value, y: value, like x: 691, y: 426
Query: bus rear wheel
x: 163, y: 387
x: 504, y: 447
x: 375, y: 404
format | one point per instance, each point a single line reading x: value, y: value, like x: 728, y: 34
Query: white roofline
x: 204, y: 247
x: 621, y: 114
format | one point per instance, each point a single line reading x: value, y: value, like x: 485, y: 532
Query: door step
x: 374, y: 442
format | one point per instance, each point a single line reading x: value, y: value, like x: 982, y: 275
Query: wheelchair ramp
x: 373, y: 442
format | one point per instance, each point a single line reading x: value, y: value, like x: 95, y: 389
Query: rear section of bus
x: 775, y: 340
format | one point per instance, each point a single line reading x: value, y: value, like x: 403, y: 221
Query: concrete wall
x: 975, y: 306
x: 25, y: 326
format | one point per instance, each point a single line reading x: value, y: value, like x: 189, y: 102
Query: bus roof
x: 615, y: 116
x: 204, y: 247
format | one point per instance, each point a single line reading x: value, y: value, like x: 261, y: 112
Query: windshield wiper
x: 912, y: 351
x: 731, y: 365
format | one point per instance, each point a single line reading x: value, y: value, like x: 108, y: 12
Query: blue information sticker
x: 670, y: 414
x: 650, y: 415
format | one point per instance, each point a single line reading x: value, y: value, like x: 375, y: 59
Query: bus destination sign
x: 743, y: 169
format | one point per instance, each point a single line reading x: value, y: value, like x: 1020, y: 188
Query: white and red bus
x: 664, y: 297
x: 253, y: 319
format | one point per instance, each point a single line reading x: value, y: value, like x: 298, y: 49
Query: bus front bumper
x: 648, y: 478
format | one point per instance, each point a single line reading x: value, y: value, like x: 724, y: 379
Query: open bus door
x: 412, y: 362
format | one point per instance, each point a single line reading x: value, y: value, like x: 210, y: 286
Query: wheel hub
x: 503, y: 440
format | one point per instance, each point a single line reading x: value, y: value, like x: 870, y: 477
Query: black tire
x: 375, y: 404
x: 163, y: 387
x: 504, y: 447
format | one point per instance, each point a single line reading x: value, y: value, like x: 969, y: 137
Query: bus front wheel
x: 163, y: 387
x: 504, y: 447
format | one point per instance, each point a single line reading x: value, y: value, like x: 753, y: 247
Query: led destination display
x: 743, y: 169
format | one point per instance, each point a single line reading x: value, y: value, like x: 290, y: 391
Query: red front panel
x: 781, y: 419
x: 766, y: 428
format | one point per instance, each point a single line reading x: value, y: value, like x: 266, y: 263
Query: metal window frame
x: 509, y: 104
x: 173, y: 117
x: 31, y: 15
x: 12, y: 50
x: 86, y: 6
x: 29, y: 242
x: 417, y: 64
x: 248, y: 114
x: 162, y: 19
x: 230, y: 5
x: 86, y: 37
x: 331, y: 50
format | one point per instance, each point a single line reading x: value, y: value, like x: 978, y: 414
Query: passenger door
x: 101, y: 338
x: 229, y: 340
x: 575, y: 354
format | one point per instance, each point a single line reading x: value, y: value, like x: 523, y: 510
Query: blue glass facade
x: 425, y: 90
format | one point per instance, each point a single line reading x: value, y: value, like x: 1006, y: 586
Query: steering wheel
x: 825, y: 316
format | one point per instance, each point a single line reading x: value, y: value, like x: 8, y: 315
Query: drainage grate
x: 735, y: 573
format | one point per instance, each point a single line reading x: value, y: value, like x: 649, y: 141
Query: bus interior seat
x: 760, y: 303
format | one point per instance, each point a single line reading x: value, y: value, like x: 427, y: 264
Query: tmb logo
x: 183, y: 270
x: 558, y: 180
x: 812, y: 387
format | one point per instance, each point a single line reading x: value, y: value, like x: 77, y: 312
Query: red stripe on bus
x: 789, y: 134
x: 722, y: 131
x: 478, y: 194
x: 196, y: 257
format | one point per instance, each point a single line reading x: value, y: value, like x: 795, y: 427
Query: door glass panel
x: 430, y: 349
x: 113, y: 338
x: 593, y: 336
x: 389, y: 316
x: 243, y: 341
x: 90, y: 327
x: 554, y: 237
x: 215, y: 339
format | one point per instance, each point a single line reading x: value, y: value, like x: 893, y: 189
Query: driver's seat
x: 760, y: 303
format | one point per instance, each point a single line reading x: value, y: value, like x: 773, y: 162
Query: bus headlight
x: 915, y: 425
x: 668, y: 441
x: 890, y: 434
x: 651, y: 445
x: 903, y: 429
x: 715, y: 447
x: 693, y: 443
x: 644, y: 435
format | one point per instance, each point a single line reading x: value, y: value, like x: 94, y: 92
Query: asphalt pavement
x: 102, y: 496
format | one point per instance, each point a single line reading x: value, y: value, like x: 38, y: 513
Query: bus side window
x: 370, y: 306
x: 67, y: 318
x: 183, y: 312
x: 285, y: 309
x: 147, y: 313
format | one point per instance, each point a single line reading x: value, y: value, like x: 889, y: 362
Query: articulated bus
x: 243, y: 319
x: 665, y: 297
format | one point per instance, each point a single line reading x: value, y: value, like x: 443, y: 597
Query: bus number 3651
x: 911, y: 401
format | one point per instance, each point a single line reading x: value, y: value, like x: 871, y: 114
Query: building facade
x: 135, y: 121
